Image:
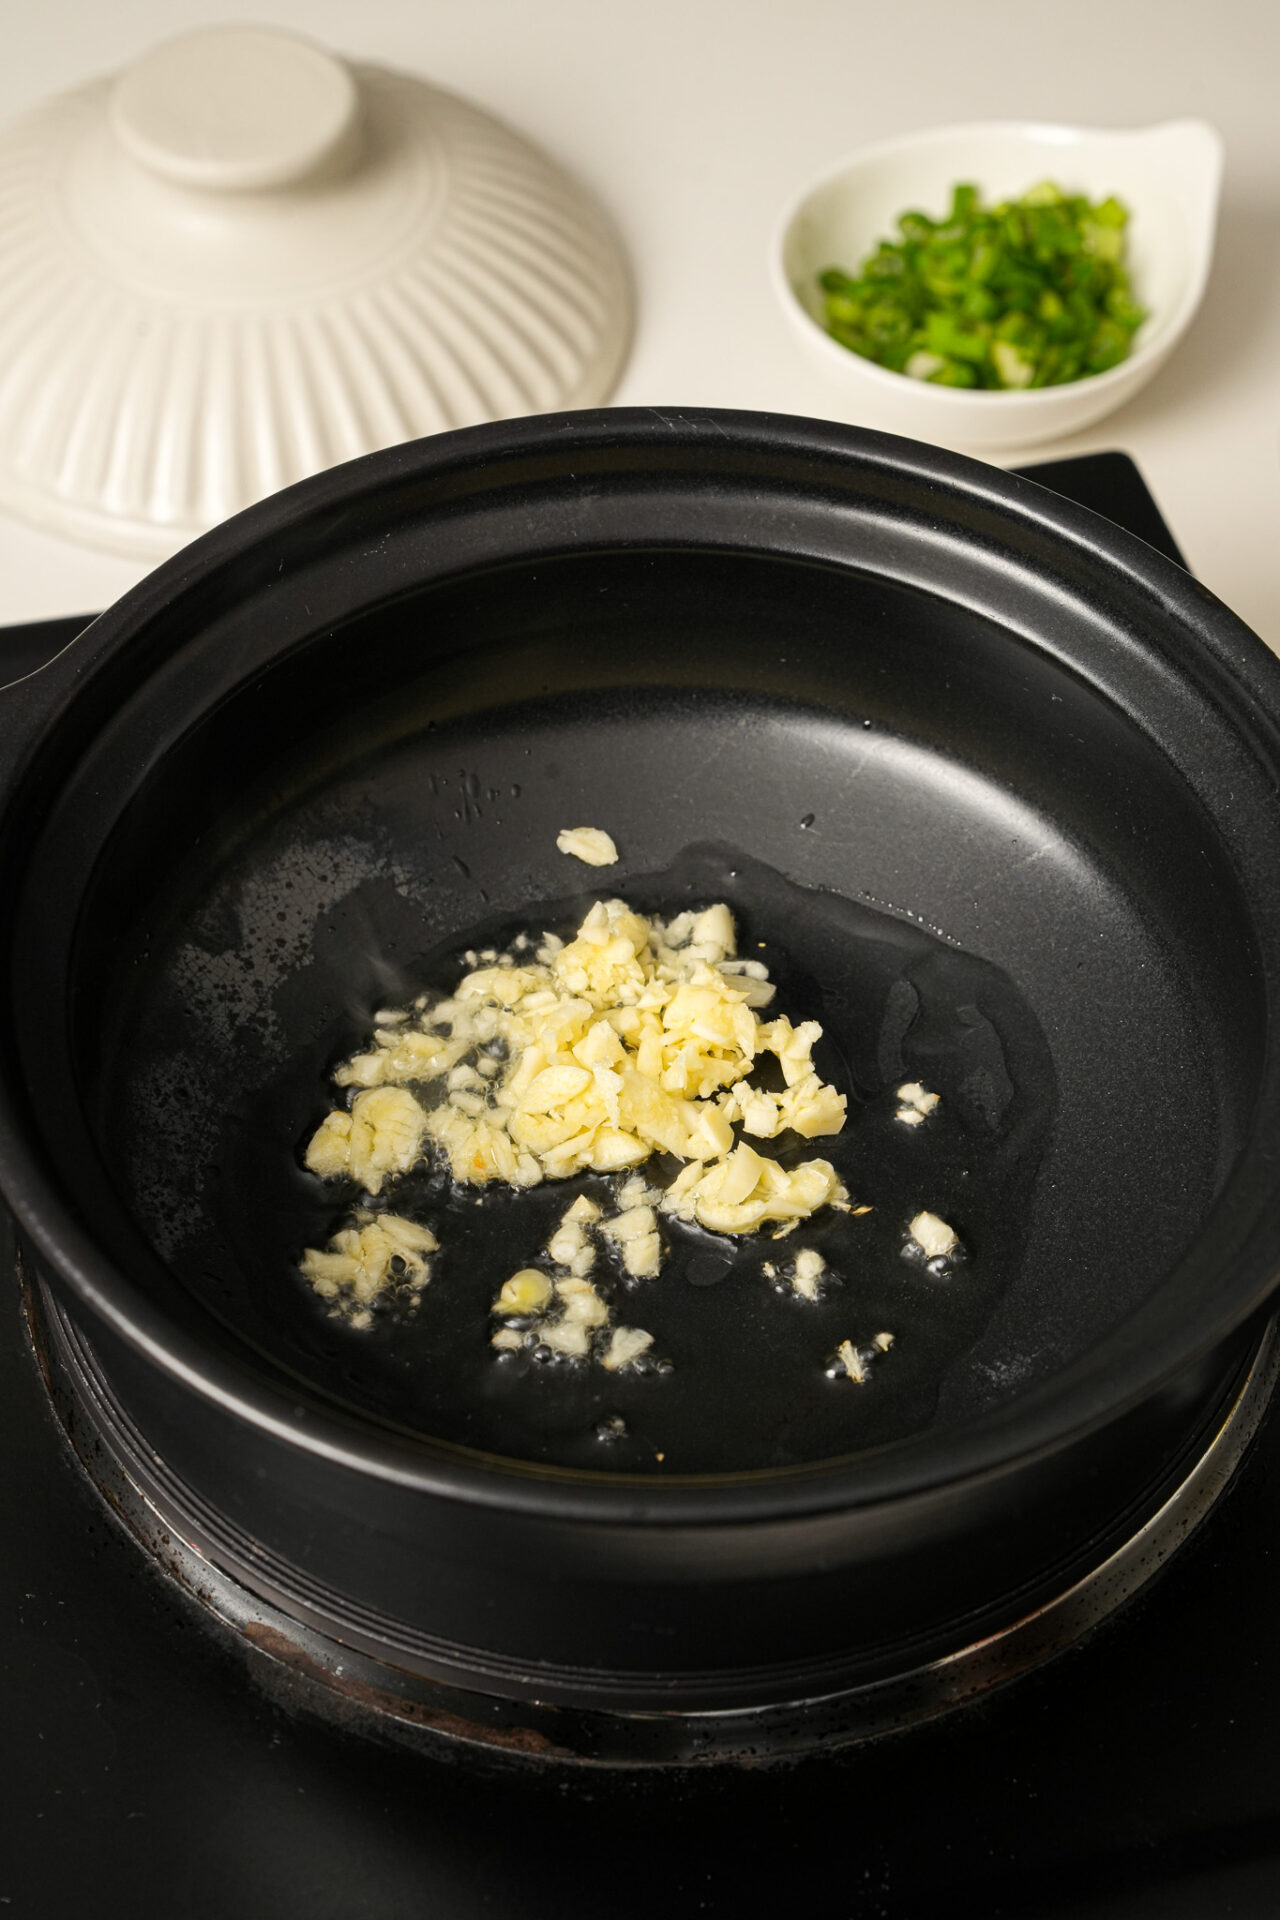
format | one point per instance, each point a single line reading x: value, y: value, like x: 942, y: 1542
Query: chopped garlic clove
x: 381, y: 1135
x: 739, y: 1175
x: 527, y: 1291
x: 569, y: 1337
x: 382, y: 1252
x: 567, y: 1242
x: 626, y: 1346
x: 933, y: 1236
x: 405, y: 1237
x: 632, y: 1224
x: 642, y: 1258
x: 554, y: 1087
x: 809, y: 1269
x: 329, y: 1153
x: 810, y: 1108
x: 715, y: 928
x: 612, y: 1150
x: 582, y: 1304
x: 590, y: 844
x: 852, y: 1361
x: 467, y: 1102
x: 630, y: 1038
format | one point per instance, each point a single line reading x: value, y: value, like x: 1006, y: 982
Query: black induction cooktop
x: 142, y: 1769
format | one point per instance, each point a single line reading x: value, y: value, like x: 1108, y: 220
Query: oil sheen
x: 749, y: 1384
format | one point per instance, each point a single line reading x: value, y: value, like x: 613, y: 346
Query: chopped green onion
x: 1033, y: 292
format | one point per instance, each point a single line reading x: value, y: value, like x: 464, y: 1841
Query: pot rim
x: 1203, y: 644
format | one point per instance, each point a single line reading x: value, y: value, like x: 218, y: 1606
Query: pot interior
x: 959, y: 854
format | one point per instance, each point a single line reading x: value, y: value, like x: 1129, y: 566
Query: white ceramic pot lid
x: 244, y: 260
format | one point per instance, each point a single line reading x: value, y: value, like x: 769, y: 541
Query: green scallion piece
x: 1033, y: 292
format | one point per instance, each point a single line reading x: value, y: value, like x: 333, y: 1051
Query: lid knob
x: 230, y: 109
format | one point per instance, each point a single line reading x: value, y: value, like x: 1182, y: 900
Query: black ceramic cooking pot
x: 825, y: 673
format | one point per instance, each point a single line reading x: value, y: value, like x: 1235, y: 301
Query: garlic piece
x: 591, y: 844
x: 852, y: 1361
x: 632, y: 1038
x: 583, y: 1306
x: 381, y: 1135
x: 933, y: 1236
x: 809, y: 1269
x: 362, y: 1262
x: 775, y: 1193
x: 527, y: 1291
x: 569, y: 1337
x: 568, y: 1243
x: 915, y: 1103
x: 642, y: 1257
x: 627, y: 1344
x: 632, y: 1224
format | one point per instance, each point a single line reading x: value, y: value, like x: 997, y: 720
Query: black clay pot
x: 338, y: 735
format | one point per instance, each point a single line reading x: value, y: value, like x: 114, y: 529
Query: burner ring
x: 323, y: 1674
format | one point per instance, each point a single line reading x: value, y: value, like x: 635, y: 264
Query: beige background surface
x: 696, y: 120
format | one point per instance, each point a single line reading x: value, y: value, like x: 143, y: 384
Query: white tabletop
x: 696, y: 120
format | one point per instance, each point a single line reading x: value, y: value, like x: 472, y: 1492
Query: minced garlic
x: 381, y: 1136
x: 633, y: 1038
x: 582, y: 1305
x: 569, y: 1316
x: 935, y: 1239
x: 528, y: 1291
x: 743, y: 1190
x: 808, y: 1270
x: 567, y: 1336
x: 382, y: 1251
x: 569, y: 1247
x: 852, y: 1361
x: 627, y: 1344
x: 636, y: 1232
x: 915, y: 1104
x: 591, y: 844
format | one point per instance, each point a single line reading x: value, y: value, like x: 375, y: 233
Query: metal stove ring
x: 316, y: 1673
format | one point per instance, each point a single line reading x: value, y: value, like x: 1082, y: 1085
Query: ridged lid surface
x: 243, y: 261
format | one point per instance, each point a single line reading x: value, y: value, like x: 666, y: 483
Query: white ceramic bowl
x: 1168, y: 177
